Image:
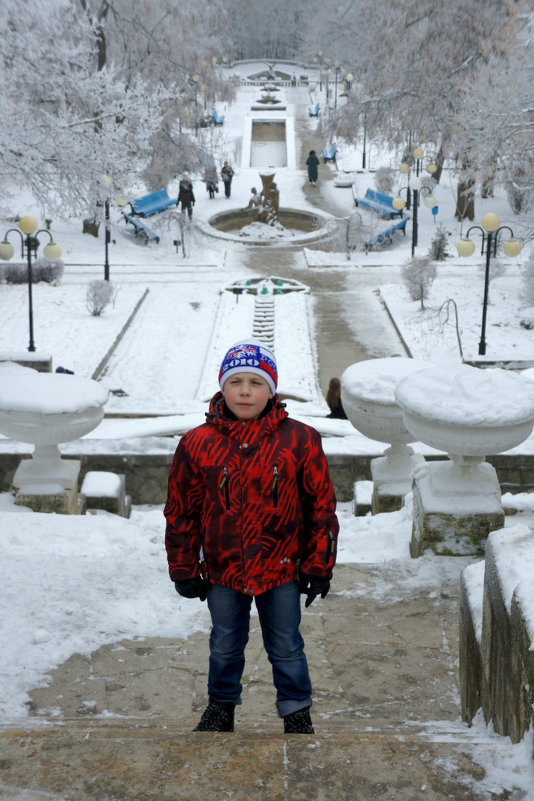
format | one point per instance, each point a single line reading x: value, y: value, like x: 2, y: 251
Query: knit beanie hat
x: 250, y: 356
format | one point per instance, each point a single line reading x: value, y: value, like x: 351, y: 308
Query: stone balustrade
x: 497, y: 633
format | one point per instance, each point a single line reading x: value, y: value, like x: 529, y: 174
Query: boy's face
x: 246, y: 395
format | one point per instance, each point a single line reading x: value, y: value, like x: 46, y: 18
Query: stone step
x: 160, y: 761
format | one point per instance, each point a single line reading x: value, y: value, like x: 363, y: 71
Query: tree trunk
x: 465, y: 200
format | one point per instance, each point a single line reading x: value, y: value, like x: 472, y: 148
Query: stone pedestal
x: 50, y: 499
x: 362, y: 498
x: 392, y: 479
x: 107, y: 491
x: 454, y: 517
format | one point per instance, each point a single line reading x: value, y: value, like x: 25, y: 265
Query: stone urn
x: 468, y: 413
x: 46, y: 409
x: 368, y: 397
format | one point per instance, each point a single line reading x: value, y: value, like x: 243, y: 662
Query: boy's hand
x: 192, y: 588
x: 312, y: 587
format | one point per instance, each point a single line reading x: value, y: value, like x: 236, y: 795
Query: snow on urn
x: 368, y: 397
x: 45, y: 409
x: 468, y: 413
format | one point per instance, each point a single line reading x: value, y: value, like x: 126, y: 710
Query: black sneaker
x: 217, y: 717
x: 298, y: 722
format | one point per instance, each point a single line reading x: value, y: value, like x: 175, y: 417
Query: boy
x: 251, y: 514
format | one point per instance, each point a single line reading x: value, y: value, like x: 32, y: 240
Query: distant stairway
x: 263, y: 323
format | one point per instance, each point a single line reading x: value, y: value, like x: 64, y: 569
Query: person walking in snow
x: 210, y: 179
x: 250, y: 514
x: 312, y: 162
x: 186, y: 197
x: 227, y: 174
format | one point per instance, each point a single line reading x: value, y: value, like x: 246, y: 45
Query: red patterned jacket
x: 249, y: 504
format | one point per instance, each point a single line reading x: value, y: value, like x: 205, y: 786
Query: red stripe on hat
x: 268, y: 369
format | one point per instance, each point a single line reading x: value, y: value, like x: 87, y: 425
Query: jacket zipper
x: 275, y: 486
x: 224, y: 483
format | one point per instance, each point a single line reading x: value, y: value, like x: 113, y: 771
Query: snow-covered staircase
x: 263, y: 323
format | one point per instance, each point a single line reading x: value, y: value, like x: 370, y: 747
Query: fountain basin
x: 302, y: 227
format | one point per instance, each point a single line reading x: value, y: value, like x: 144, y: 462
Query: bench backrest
x: 379, y: 197
x: 152, y: 199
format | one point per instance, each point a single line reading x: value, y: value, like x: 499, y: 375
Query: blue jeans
x: 279, y: 613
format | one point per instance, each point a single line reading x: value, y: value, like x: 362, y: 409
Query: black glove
x: 312, y: 587
x: 192, y: 588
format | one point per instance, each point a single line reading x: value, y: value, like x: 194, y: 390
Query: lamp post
x: 337, y: 67
x: 318, y: 59
x: 366, y: 100
x: 490, y: 229
x: 328, y: 74
x: 29, y: 238
x: 399, y: 204
x: 106, y: 184
x: 416, y: 157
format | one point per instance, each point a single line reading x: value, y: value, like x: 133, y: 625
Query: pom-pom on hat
x: 250, y: 356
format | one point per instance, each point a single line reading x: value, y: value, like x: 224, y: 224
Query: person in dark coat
x: 227, y: 174
x: 312, y: 162
x: 251, y: 515
x: 210, y: 179
x: 333, y: 399
x: 186, y: 197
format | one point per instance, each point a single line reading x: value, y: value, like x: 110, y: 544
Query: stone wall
x: 146, y: 473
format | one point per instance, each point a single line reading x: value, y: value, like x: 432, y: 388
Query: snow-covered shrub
x: 384, y: 180
x: 418, y: 274
x: 497, y: 269
x: 42, y: 270
x: 438, y: 246
x: 99, y: 294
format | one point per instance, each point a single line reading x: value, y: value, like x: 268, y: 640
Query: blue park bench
x: 329, y: 153
x: 314, y: 111
x: 377, y: 201
x: 151, y: 204
x: 218, y: 119
x: 141, y: 229
x: 386, y: 237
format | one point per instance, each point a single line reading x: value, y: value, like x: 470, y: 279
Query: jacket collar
x: 224, y: 420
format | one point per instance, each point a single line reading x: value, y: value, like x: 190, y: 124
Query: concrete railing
x: 497, y: 633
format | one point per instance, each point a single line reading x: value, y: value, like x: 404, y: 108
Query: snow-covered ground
x: 166, y: 364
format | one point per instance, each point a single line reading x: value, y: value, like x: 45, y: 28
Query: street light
x: 318, y: 59
x: 366, y: 100
x: 490, y: 231
x: 399, y: 204
x: 416, y: 157
x: 29, y: 239
x: 337, y: 67
x: 105, y: 183
x: 328, y: 74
